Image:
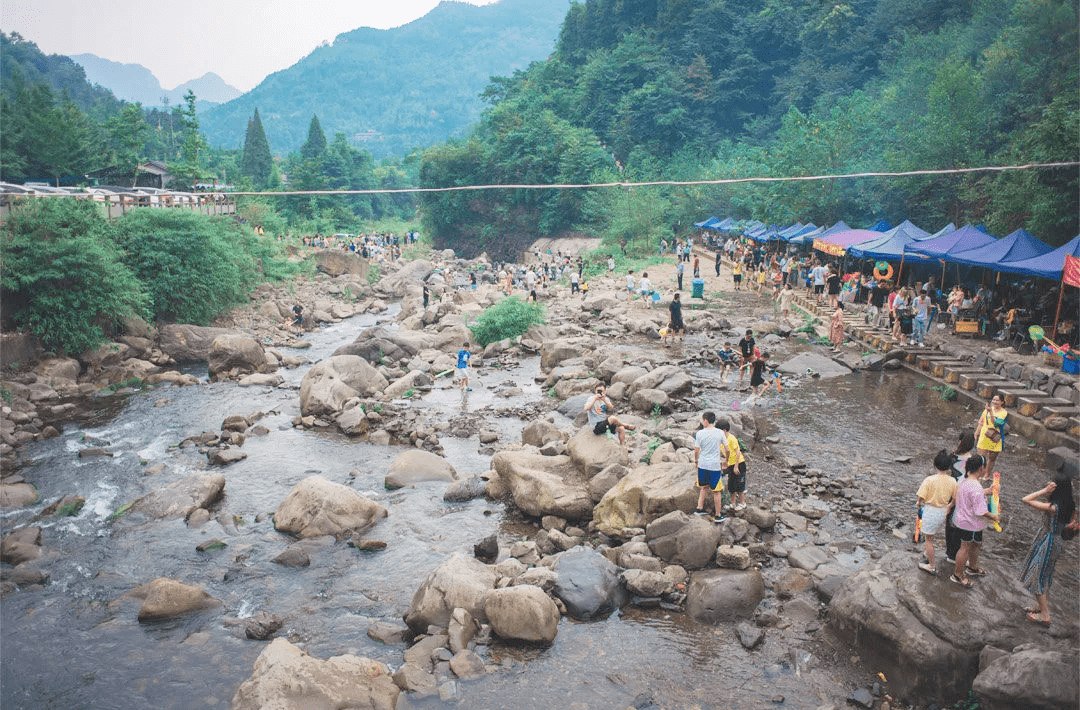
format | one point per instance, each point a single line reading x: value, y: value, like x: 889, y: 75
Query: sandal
x: 1033, y: 610
x: 975, y: 572
x: 1036, y: 619
x: 965, y: 583
x: 927, y: 568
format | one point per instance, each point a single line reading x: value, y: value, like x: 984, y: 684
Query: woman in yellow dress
x: 988, y: 432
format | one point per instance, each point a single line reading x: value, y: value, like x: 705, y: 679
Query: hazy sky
x: 242, y: 41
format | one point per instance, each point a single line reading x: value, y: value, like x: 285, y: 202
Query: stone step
x: 953, y: 373
x: 1057, y: 410
x: 926, y: 360
x: 938, y: 367
x: 970, y: 382
x: 1074, y: 426
x: 1029, y: 405
x: 1013, y: 391
x: 987, y: 387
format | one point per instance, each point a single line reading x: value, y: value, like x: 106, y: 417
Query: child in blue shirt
x: 463, y: 356
x: 729, y: 360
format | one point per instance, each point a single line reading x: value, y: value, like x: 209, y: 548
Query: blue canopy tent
x: 809, y: 237
x: 727, y: 225
x: 1016, y: 247
x: 1048, y: 265
x: 805, y: 229
x: 765, y: 234
x: 881, y: 226
x: 963, y: 239
x: 790, y: 231
x: 710, y: 223
x: 947, y: 229
x: 890, y: 246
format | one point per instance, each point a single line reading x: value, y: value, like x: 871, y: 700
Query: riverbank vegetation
x: 71, y: 277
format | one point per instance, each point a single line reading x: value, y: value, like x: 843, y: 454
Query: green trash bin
x: 697, y: 289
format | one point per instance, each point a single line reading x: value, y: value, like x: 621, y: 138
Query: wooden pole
x: 1057, y: 315
x: 901, y: 269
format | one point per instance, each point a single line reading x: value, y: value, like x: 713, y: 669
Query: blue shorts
x: 709, y: 479
x: 974, y: 536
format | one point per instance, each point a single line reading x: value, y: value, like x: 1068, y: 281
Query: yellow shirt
x: 734, y: 452
x: 937, y: 490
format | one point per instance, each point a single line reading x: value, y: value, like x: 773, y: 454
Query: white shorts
x: 461, y: 373
x: 933, y: 519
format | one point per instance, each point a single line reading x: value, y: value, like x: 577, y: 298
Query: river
x: 77, y: 644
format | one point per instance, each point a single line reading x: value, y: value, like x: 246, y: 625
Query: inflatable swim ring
x: 883, y: 271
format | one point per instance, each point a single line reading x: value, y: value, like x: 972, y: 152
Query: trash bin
x: 698, y: 288
x: 1070, y: 365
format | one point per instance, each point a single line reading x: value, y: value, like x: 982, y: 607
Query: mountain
x: 22, y: 63
x: 134, y: 82
x: 393, y: 90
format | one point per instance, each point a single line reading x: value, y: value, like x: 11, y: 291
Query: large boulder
x: 16, y: 495
x: 592, y: 453
x: 522, y: 613
x: 668, y: 378
x: 185, y: 343
x: 812, y: 362
x: 236, y: 352
x: 416, y: 466
x: 332, y: 382
x: 414, y: 380
x: 165, y: 598
x: 21, y: 545
x: 724, y: 594
x: 338, y: 262
x: 411, y: 273
x: 539, y: 432
x: 381, y: 345
x: 588, y: 584
x: 1029, y: 678
x: 646, y: 400
x: 924, y: 632
x: 286, y: 678
x: 54, y: 371
x: 686, y: 540
x: 644, y: 494
x: 554, y: 352
x: 544, y: 485
x: 317, y: 507
x: 180, y: 499
x: 458, y: 582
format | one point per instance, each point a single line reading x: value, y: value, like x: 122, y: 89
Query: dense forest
x: 706, y: 89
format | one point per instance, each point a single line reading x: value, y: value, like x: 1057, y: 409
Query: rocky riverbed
x: 322, y: 519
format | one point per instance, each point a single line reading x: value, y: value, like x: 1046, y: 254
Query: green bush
x: 64, y: 279
x: 194, y: 267
x: 508, y: 318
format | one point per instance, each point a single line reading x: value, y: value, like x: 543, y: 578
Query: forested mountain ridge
x: 691, y: 89
x: 414, y: 85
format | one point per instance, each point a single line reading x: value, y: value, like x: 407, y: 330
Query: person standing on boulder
x: 676, y: 327
x: 746, y: 349
x: 935, y: 498
x: 1059, y: 523
x: 598, y: 409
x: 735, y: 466
x: 971, y: 516
x: 710, y: 450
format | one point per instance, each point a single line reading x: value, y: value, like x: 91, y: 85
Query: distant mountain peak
x: 135, y: 83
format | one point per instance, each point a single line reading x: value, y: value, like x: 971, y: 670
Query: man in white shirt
x: 710, y: 450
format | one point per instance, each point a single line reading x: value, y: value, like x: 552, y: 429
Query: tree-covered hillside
x: 414, y: 85
x: 691, y: 89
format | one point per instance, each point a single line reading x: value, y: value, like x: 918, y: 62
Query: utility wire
x: 673, y: 183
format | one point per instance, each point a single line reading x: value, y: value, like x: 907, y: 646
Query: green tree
x: 315, y: 145
x: 194, y: 267
x: 128, y: 132
x: 191, y: 149
x: 64, y: 279
x: 257, y: 162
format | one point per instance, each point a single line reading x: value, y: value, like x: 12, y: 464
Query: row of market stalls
x: 907, y: 245
x: 117, y: 199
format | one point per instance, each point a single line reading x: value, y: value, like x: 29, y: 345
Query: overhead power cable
x: 674, y: 183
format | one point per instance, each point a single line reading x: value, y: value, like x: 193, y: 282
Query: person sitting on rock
x: 599, y: 409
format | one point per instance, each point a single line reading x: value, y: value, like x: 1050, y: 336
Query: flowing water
x: 77, y: 643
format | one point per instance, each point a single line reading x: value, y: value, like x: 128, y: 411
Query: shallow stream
x: 77, y: 644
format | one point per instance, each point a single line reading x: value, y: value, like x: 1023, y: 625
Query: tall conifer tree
x: 257, y: 162
x: 315, y: 145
